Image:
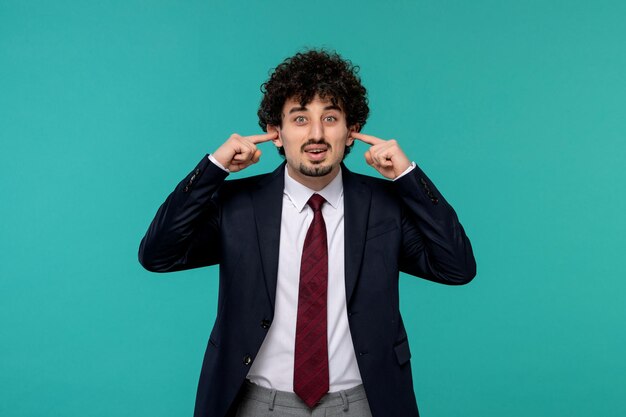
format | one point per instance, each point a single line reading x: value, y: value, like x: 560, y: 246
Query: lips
x: 316, y: 152
x: 316, y: 149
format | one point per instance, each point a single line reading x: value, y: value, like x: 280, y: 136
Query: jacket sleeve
x: 434, y: 244
x: 184, y: 233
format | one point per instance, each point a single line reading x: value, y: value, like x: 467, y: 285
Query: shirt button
x: 265, y: 324
x: 247, y: 360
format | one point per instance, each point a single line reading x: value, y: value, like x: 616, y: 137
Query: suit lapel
x: 267, y: 200
x: 356, y: 207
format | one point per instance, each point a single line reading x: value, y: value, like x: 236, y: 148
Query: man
x: 308, y: 319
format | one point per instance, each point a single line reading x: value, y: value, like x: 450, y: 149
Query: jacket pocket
x: 381, y: 229
x: 403, y: 354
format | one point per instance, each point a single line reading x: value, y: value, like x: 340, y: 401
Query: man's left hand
x: 385, y: 156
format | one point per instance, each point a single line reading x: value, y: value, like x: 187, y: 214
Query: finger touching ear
x: 354, y: 128
x: 278, y: 142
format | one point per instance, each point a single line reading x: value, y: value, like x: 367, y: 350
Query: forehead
x: 294, y: 104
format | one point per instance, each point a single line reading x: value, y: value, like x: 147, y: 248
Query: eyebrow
x: 301, y: 108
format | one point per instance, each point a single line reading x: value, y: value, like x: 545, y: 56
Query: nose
x: 317, y: 130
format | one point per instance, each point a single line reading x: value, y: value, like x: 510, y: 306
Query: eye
x: 300, y: 119
x: 330, y: 119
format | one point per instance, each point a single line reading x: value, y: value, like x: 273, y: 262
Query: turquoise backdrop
x: 516, y: 110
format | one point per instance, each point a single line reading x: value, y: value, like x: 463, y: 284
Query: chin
x: 315, y: 170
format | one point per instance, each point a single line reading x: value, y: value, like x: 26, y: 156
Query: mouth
x: 316, y: 152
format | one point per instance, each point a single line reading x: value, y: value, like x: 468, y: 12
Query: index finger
x: 262, y: 138
x: 370, y: 140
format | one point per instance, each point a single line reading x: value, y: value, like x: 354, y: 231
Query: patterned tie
x: 310, y: 374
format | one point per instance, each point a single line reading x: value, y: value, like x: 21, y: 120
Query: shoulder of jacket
x: 375, y: 183
x: 248, y: 184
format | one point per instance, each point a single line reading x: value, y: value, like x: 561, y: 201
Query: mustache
x: 316, y: 142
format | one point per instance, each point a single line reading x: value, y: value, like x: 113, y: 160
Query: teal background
x: 516, y: 110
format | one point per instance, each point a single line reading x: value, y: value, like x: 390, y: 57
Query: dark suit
x: 390, y: 227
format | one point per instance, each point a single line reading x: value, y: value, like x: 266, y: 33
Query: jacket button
x: 186, y: 188
x: 435, y: 200
x: 247, y: 360
x: 265, y: 324
x: 197, y: 171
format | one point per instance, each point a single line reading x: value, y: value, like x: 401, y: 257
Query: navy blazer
x: 390, y: 227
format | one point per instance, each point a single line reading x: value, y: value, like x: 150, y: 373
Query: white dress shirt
x: 273, y: 365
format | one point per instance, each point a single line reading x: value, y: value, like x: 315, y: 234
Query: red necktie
x: 310, y: 374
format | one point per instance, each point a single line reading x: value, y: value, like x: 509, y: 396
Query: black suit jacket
x: 390, y: 227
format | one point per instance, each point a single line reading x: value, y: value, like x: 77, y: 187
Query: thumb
x: 256, y: 156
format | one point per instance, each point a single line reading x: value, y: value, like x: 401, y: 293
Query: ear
x: 278, y: 142
x: 353, y: 128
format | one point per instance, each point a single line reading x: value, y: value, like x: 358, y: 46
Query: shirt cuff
x: 222, y: 166
x: 406, y: 171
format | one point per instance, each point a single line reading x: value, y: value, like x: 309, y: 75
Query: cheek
x: 339, y: 137
x: 292, y: 139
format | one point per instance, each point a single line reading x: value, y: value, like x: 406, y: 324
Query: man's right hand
x: 239, y: 152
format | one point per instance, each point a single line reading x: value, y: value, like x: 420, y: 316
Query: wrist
x: 216, y: 162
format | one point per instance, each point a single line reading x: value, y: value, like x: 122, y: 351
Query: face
x: 314, y: 137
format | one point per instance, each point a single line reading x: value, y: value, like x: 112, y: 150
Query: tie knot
x: 316, y: 201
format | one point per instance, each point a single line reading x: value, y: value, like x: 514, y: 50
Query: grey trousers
x: 257, y: 401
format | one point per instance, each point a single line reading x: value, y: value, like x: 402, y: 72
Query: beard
x: 315, y: 171
x: 318, y: 170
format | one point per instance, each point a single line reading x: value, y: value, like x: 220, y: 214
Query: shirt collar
x: 299, y: 194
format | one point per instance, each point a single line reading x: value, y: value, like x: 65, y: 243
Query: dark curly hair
x: 312, y: 72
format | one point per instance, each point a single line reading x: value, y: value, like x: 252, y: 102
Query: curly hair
x: 312, y: 72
